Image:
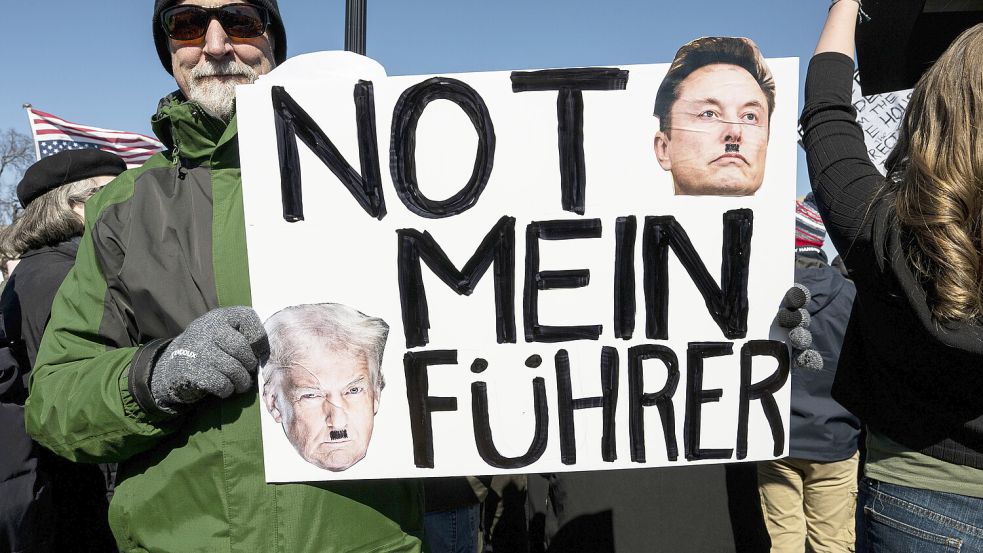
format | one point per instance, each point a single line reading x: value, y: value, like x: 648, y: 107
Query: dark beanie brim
x: 64, y: 168
x: 276, y: 31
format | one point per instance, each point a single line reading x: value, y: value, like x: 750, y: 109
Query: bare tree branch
x: 16, y: 155
x: 16, y: 151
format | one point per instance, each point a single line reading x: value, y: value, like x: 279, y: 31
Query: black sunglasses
x: 191, y: 22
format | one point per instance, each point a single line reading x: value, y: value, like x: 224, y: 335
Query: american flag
x: 53, y: 134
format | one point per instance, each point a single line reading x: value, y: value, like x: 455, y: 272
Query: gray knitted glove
x: 794, y: 316
x: 216, y: 355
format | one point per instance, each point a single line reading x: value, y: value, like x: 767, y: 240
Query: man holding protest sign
x: 147, y: 363
x: 714, y: 108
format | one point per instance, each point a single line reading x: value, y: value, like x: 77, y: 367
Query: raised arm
x: 840, y: 29
x: 841, y: 173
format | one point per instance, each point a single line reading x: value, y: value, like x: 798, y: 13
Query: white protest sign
x: 552, y: 305
x: 880, y: 116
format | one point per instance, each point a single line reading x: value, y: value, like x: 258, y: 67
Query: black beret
x: 276, y: 31
x: 66, y: 167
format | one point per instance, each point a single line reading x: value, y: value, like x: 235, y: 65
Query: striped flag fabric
x: 52, y: 134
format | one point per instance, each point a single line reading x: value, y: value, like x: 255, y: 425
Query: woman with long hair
x: 46, y: 503
x: 911, y: 367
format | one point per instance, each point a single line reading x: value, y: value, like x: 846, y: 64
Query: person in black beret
x: 46, y: 503
x: 65, y: 168
x: 151, y: 354
x: 45, y: 235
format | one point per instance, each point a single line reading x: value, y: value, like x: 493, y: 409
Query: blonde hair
x: 939, y: 197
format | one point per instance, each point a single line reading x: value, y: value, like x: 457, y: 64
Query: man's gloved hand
x: 217, y: 354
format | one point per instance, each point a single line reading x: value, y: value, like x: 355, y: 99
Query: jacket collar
x: 189, y: 132
x: 810, y: 257
x: 68, y: 248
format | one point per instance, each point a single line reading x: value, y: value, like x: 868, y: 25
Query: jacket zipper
x: 182, y: 171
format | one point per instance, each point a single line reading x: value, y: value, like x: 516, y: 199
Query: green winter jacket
x: 163, y: 244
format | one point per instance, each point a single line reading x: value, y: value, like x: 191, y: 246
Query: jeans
x: 454, y: 531
x: 899, y: 519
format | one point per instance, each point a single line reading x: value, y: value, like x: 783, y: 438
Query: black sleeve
x: 36, y: 295
x: 141, y: 371
x: 843, y: 178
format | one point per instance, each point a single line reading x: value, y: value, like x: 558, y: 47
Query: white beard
x: 215, y: 96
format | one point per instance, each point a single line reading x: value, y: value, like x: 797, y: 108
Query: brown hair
x: 742, y: 52
x: 939, y: 195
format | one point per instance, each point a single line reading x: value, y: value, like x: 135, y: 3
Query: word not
x: 293, y: 122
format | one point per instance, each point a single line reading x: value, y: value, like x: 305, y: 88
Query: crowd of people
x: 133, y: 425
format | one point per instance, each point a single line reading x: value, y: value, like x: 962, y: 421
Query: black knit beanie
x: 276, y: 31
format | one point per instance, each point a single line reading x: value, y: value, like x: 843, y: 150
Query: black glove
x: 793, y: 315
x: 217, y: 354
